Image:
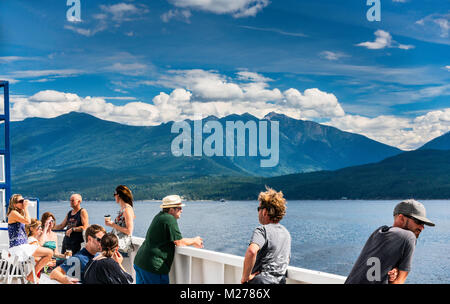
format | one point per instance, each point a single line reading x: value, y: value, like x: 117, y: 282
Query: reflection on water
x: 326, y: 235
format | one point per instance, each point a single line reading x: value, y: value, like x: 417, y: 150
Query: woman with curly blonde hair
x: 267, y: 257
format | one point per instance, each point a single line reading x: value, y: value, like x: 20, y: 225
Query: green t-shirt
x: 157, y: 252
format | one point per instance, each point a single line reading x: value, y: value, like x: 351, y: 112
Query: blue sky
x: 147, y: 62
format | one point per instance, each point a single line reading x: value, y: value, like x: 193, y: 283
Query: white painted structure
x: 200, y: 266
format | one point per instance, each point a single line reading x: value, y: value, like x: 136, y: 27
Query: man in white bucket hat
x: 154, y: 258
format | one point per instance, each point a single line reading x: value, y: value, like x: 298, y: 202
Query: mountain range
x: 79, y: 152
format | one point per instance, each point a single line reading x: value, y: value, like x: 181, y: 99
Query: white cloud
x: 274, y: 30
x: 199, y: 92
x: 332, y: 55
x: 436, y: 21
x: 86, y: 32
x: 110, y: 16
x: 121, y: 12
x: 251, y: 76
x: 404, y: 133
x: 132, y: 69
x: 9, y: 79
x: 193, y: 92
x: 182, y: 15
x: 9, y: 59
x: 314, y: 103
x: 237, y: 8
x: 42, y: 73
x: 383, y: 40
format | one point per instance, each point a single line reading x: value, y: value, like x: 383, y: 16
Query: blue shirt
x: 81, y: 258
x: 17, y: 234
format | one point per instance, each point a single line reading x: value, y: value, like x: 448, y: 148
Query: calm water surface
x: 326, y: 235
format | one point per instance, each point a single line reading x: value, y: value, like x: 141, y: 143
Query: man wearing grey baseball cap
x: 387, y: 254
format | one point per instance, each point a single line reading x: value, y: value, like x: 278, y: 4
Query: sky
x: 149, y: 62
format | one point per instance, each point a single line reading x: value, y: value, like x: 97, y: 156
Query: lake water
x: 326, y: 235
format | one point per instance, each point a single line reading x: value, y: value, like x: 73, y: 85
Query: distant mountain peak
x: 439, y: 143
x: 271, y: 115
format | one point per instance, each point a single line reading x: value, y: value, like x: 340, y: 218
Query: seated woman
x: 50, y: 238
x: 107, y: 267
x: 34, y: 233
x: 18, y: 216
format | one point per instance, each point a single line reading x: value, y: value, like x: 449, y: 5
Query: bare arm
x: 129, y: 222
x: 56, y: 252
x: 59, y: 275
x: 84, y: 220
x: 43, y: 236
x: 15, y: 217
x: 62, y: 225
x: 401, y: 277
x: 196, y: 242
x: 249, y: 262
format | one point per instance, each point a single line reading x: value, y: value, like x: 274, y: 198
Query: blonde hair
x: 274, y: 203
x: 12, y: 204
x: 34, y: 224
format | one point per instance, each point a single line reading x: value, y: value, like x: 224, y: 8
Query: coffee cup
x: 107, y: 218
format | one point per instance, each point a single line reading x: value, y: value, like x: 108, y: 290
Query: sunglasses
x: 260, y: 208
x: 115, y: 193
x: 418, y: 222
x: 98, y: 239
x: 20, y: 201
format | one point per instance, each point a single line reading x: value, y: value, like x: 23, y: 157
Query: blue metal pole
x: 7, y: 151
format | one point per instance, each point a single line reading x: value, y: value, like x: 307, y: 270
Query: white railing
x: 202, y: 266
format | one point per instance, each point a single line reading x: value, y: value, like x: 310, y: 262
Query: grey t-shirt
x: 274, y: 254
x: 386, y: 248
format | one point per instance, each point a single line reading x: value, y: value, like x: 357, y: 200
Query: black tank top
x: 74, y: 221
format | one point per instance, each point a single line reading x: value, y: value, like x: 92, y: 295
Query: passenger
x: 106, y: 268
x: 34, y: 232
x: 124, y: 222
x: 35, y: 236
x: 50, y: 238
x: 18, y: 216
x: 154, y: 258
x: 387, y: 254
x: 76, y: 221
x: 72, y: 270
x: 268, y: 255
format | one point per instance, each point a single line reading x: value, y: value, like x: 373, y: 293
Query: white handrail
x: 201, y: 266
